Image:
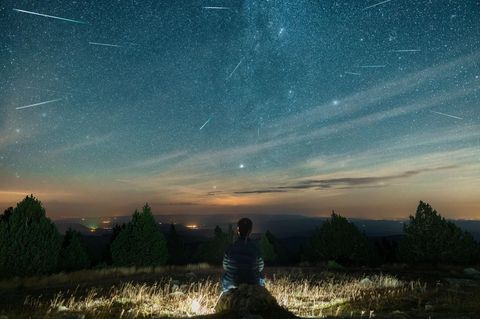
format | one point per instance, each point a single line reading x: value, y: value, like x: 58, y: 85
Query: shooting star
x: 205, y: 124
x: 216, y: 8
x: 36, y: 104
x: 372, y: 66
x: 376, y: 4
x: 49, y: 16
x: 448, y: 115
x: 353, y: 73
x: 406, y: 50
x: 230, y: 75
x: 105, y: 44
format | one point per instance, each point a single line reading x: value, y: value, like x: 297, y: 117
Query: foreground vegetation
x: 153, y: 292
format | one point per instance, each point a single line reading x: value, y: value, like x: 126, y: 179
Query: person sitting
x: 242, y: 260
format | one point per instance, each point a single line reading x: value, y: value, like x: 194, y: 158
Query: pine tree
x: 177, y: 254
x: 213, y: 250
x: 141, y: 243
x: 73, y: 255
x: 339, y: 240
x: 29, y: 241
x: 429, y: 238
x: 267, y: 249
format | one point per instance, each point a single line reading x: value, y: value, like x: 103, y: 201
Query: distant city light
x: 192, y: 226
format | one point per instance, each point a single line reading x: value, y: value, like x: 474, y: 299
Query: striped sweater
x: 242, y: 263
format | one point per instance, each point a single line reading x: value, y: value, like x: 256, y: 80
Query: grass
x: 194, y: 290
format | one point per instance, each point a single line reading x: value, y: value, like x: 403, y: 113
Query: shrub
x: 29, y: 241
x: 141, y: 243
x: 73, y: 255
x: 339, y: 240
x: 429, y: 238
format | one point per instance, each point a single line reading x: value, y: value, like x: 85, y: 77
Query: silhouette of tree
x: 29, y: 241
x: 73, y: 255
x: 267, y: 250
x: 212, y: 251
x: 141, y: 243
x: 177, y: 253
x: 429, y: 238
x: 339, y: 240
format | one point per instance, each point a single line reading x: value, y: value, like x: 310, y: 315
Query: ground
x: 193, y: 291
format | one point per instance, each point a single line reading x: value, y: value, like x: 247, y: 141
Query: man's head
x: 244, y: 227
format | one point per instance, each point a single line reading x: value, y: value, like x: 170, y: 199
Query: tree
x: 141, y: 243
x: 73, y: 255
x: 267, y: 249
x: 213, y: 250
x: 29, y: 241
x: 177, y: 253
x: 107, y: 251
x: 429, y: 238
x: 339, y: 240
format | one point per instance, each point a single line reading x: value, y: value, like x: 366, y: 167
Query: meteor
x: 105, y: 44
x: 373, y: 66
x: 36, y: 104
x: 228, y: 77
x: 406, y: 50
x: 49, y: 16
x: 216, y: 8
x: 205, y: 124
x: 448, y: 115
x: 376, y: 4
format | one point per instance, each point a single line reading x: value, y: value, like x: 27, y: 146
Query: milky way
x: 233, y: 106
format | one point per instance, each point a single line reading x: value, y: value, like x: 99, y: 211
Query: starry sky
x: 231, y: 106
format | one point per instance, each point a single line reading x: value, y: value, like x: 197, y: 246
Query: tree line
x: 30, y: 243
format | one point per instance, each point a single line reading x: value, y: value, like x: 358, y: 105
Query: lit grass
x: 312, y: 296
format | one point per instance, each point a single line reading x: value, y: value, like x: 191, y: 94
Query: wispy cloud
x: 92, y: 141
x: 345, y: 182
x: 156, y: 160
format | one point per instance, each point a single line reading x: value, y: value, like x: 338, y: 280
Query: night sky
x: 299, y: 107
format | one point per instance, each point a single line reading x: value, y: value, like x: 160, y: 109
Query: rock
x: 366, y: 282
x: 190, y: 275
x: 397, y: 314
x: 251, y: 302
x: 428, y: 307
x: 457, y: 283
x: 471, y: 272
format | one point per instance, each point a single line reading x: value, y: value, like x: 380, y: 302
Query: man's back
x: 242, y: 263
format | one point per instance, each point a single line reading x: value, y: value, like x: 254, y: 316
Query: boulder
x: 472, y: 272
x: 251, y: 301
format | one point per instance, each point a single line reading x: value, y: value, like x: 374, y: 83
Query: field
x: 193, y: 290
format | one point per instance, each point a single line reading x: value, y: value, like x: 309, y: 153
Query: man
x: 242, y: 261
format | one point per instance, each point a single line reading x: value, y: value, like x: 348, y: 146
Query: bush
x: 341, y: 241
x: 73, y: 255
x: 429, y: 238
x: 29, y: 241
x: 141, y: 243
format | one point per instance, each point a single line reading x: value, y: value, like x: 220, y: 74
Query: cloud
x: 345, y: 182
x: 89, y: 142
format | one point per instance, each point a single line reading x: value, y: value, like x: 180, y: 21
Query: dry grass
x: 306, y: 296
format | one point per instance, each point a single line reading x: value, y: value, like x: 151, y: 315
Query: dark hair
x: 244, y: 226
